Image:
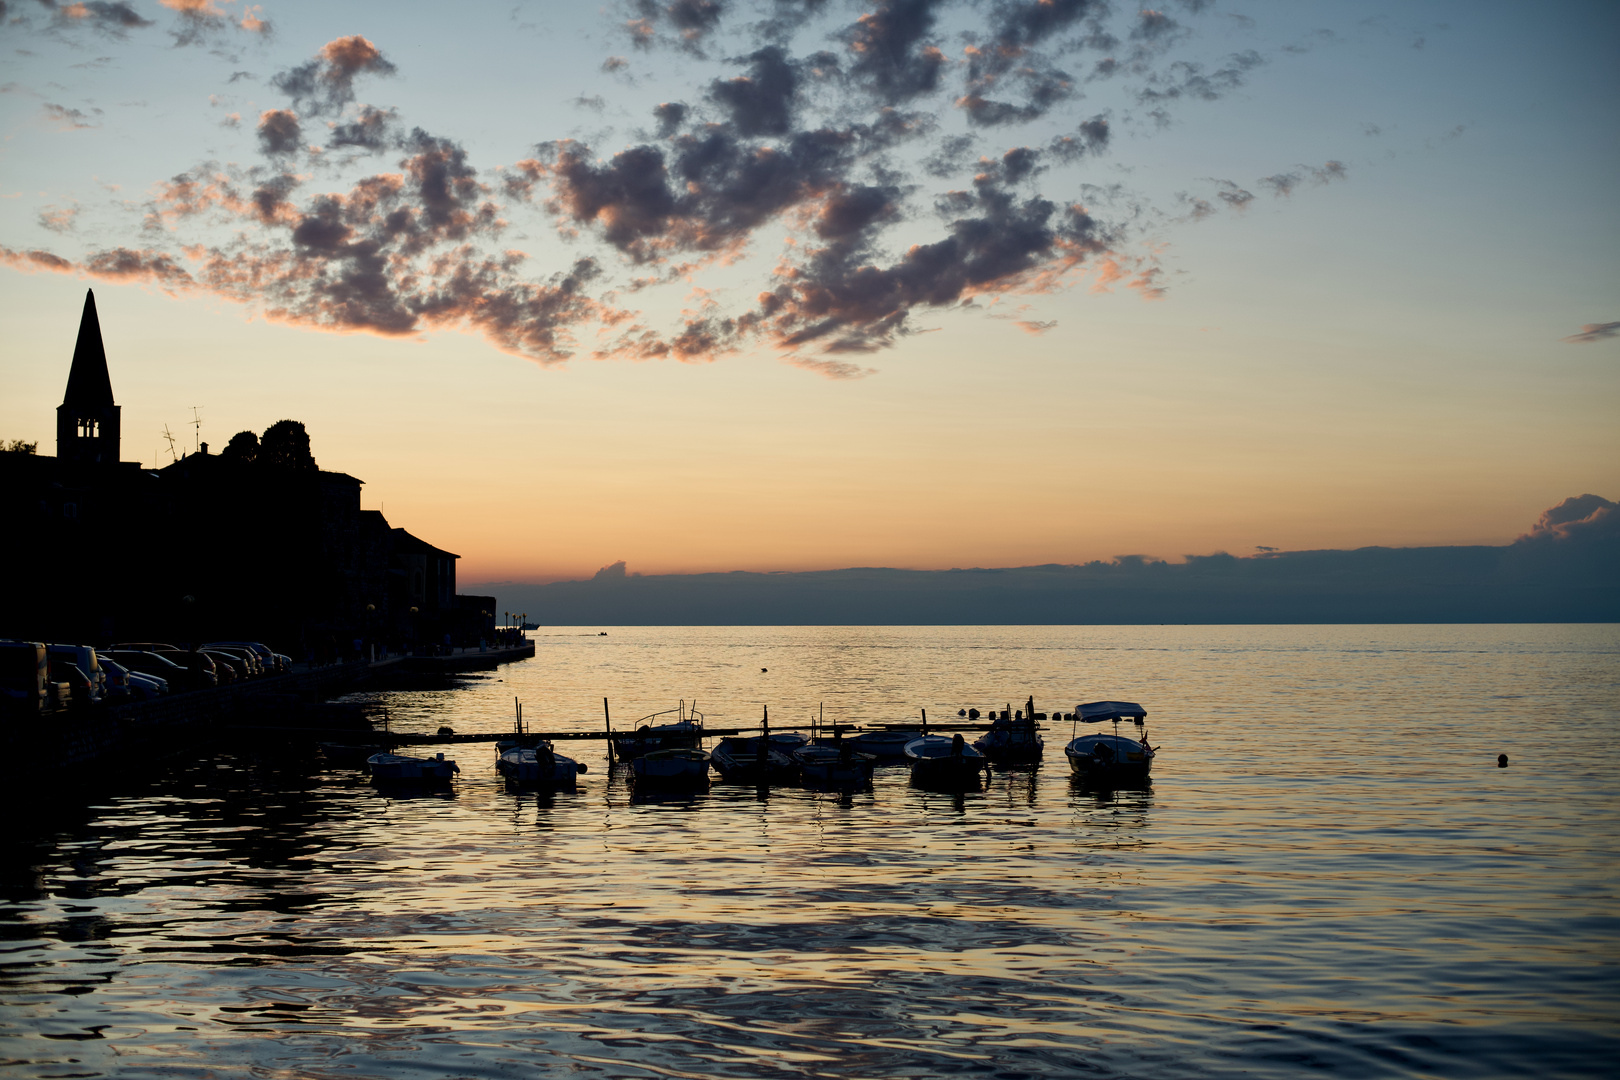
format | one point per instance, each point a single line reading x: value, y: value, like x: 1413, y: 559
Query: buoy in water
x: 1501, y: 761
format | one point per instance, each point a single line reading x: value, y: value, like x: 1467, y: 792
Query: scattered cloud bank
x: 827, y: 133
x: 1567, y: 569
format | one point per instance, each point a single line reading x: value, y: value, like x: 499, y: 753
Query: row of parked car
x: 38, y: 678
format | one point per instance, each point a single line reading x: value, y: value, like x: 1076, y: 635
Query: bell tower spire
x: 87, y: 419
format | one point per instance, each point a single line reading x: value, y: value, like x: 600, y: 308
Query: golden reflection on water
x: 1327, y: 873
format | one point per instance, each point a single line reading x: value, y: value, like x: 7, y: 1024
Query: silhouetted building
x: 87, y: 419
x: 264, y: 547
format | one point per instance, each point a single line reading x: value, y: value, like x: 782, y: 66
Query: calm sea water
x: 1329, y: 876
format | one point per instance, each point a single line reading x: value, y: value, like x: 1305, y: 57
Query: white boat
x: 677, y: 766
x: 684, y: 732
x: 945, y: 761
x: 1102, y: 758
x: 1013, y: 736
x: 834, y: 766
x: 387, y: 766
x: 538, y: 764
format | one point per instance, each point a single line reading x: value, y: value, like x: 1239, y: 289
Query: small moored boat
x: 539, y: 764
x: 681, y: 766
x: 685, y: 732
x: 887, y: 747
x: 1110, y: 759
x: 400, y: 767
x: 945, y: 761
x: 1013, y: 736
x: 834, y: 766
x: 763, y: 759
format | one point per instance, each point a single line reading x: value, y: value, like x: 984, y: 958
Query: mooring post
x: 607, y: 720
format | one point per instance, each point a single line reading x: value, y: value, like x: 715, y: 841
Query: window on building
x: 88, y: 428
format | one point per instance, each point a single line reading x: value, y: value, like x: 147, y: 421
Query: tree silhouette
x: 243, y: 447
x: 285, y: 445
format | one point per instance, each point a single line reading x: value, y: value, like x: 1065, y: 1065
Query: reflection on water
x: 1327, y: 874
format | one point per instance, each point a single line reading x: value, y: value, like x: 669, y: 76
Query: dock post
x: 607, y: 720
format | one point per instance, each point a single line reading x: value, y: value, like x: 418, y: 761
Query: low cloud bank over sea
x: 1565, y: 569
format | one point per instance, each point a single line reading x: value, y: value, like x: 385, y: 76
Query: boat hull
x: 737, y: 760
x: 940, y: 762
x: 885, y: 747
x: 525, y: 765
x: 827, y: 766
x: 1118, y: 762
x: 1011, y: 745
x: 398, y: 767
x: 676, y: 767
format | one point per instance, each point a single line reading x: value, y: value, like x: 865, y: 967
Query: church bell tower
x: 87, y: 419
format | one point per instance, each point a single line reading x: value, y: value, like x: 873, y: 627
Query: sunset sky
x: 703, y: 285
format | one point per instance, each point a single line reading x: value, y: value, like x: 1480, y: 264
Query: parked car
x: 269, y: 660
x: 23, y: 670
x: 117, y: 676
x: 84, y: 693
x: 146, y: 687
x: 82, y: 657
x: 145, y: 646
x: 228, y: 668
x: 149, y: 663
x: 198, y: 663
x: 254, y: 665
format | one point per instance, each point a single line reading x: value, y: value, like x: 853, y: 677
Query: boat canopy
x: 1095, y: 711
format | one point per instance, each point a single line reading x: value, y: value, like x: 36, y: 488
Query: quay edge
x: 71, y: 748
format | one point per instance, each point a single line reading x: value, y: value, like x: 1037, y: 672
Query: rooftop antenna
x: 196, y: 423
x: 170, y: 437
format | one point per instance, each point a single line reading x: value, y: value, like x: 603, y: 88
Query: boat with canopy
x: 1110, y: 758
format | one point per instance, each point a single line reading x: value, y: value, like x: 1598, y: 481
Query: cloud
x: 1089, y: 139
x: 1582, y: 517
x: 689, y: 21
x: 30, y: 262
x: 1187, y: 79
x: 125, y: 264
x: 996, y: 243
x: 894, y: 56
x: 371, y: 129
x: 1283, y: 184
x: 762, y: 101
x: 1033, y: 326
x: 712, y: 189
x: 198, y: 21
x: 279, y: 132
x: 670, y: 115
x: 817, y: 149
x: 837, y: 370
x: 59, y: 219
x: 326, y: 83
x: 113, y: 19
x: 67, y: 119
x: 1594, y: 332
x: 1234, y: 197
